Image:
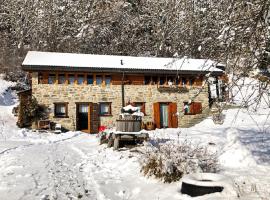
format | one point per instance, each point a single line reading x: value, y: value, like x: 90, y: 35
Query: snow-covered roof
x: 53, y: 59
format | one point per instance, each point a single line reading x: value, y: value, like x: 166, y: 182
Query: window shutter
x: 94, y: 117
x: 196, y: 108
x: 156, y: 114
x: 192, y: 109
x: 173, y: 118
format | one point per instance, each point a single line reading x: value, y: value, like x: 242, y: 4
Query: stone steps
x: 191, y: 121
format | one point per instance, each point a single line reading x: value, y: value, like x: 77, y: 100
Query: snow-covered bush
x: 170, y: 161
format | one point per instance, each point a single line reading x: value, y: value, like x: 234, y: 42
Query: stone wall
x: 49, y: 94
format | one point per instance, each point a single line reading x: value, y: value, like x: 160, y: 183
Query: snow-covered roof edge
x: 44, y: 60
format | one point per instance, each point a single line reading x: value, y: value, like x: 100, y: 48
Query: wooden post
x: 116, y: 142
x: 123, y: 90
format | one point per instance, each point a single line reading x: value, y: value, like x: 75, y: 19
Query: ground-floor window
x: 141, y: 105
x: 192, y: 108
x: 61, y: 109
x: 105, y: 108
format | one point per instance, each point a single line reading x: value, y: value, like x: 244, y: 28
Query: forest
x: 233, y: 32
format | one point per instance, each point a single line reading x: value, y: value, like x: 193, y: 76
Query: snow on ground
x: 72, y: 165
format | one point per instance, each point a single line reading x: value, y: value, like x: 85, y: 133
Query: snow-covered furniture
x: 128, y: 127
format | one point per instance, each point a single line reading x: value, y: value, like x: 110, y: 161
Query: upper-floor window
x: 108, y: 80
x: 191, y: 82
x: 80, y: 79
x: 71, y: 79
x: 61, y: 78
x: 184, y: 81
x: 99, y: 79
x: 162, y: 80
x: 90, y: 79
x: 51, y: 78
x: 40, y: 78
x: 147, y: 80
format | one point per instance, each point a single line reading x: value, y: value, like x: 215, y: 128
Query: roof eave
x: 117, y: 70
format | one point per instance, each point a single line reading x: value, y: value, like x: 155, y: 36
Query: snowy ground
x: 73, y: 166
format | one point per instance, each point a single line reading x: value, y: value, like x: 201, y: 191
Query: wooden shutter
x: 156, y: 114
x: 173, y: 118
x: 94, y: 117
x: 198, y: 107
x: 195, y: 108
x: 192, y: 109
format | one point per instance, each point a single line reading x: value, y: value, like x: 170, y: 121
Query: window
x: 108, y: 80
x: 177, y: 81
x: 80, y: 79
x: 191, y: 82
x: 162, y: 80
x: 61, y: 78
x: 90, y: 79
x: 141, y: 105
x: 99, y: 79
x: 154, y: 80
x: 60, y: 109
x: 71, y: 79
x: 40, y: 78
x: 147, y: 80
x: 51, y: 79
x: 184, y: 81
x: 192, y: 108
x: 105, y: 109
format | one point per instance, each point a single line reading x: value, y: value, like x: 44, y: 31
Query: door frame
x: 89, y: 116
x: 157, y: 114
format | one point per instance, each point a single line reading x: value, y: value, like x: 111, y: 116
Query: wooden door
x: 173, y: 118
x: 94, y: 116
x: 156, y: 107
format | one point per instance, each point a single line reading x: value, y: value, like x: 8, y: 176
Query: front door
x: 83, y: 117
x: 165, y: 115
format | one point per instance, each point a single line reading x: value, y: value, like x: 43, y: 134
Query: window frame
x: 55, y: 78
x: 59, y: 75
x: 143, y: 106
x: 93, y: 79
x: 98, y: 75
x: 57, y: 115
x: 77, y: 79
x: 110, y: 108
x: 192, y: 110
x: 105, y: 78
x: 68, y: 80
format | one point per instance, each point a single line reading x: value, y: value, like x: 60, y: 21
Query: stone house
x: 83, y: 91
